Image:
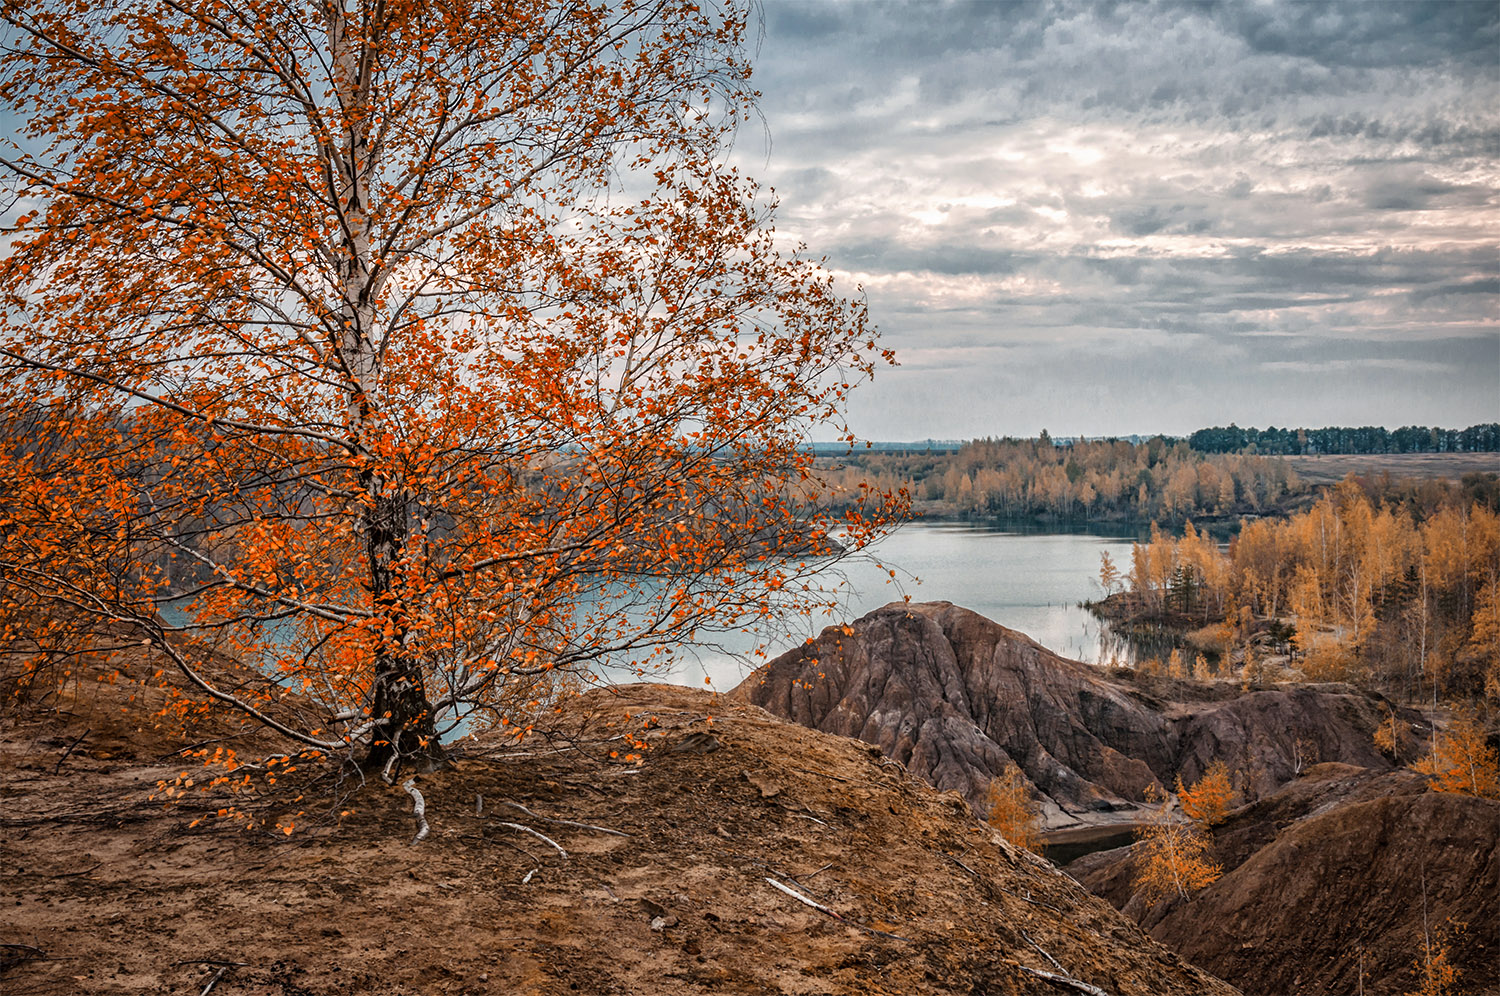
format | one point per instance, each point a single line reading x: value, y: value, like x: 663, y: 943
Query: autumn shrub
x: 1173, y: 856
x: 1012, y: 810
x: 1207, y: 802
x: 1461, y: 760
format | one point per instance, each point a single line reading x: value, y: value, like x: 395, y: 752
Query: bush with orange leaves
x: 1207, y: 802
x: 1012, y: 811
x: 1173, y: 855
x: 1461, y: 760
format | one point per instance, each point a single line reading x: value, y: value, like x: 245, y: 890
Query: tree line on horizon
x: 1083, y: 480
x: 1482, y: 438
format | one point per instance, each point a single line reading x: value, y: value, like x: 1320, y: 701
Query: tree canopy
x: 413, y: 353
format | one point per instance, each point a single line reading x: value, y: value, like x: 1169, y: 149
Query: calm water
x: 1031, y: 582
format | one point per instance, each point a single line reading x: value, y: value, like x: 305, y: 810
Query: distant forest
x: 1347, y: 439
x: 1158, y: 479
x: 1114, y: 479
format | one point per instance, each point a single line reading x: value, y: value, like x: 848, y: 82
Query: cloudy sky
x: 1143, y: 217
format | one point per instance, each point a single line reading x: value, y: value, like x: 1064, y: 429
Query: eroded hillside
x: 667, y: 886
x: 955, y: 696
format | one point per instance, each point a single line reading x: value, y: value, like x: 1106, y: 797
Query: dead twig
x: 14, y: 954
x: 1066, y: 981
x: 1034, y: 902
x: 808, y: 901
x: 418, y: 809
x: 1043, y: 951
x: 566, y: 823
x: 963, y: 866
x: 539, y: 836
x: 507, y: 843
x: 777, y: 871
x: 94, y: 867
x: 71, y: 746
x: 215, y: 980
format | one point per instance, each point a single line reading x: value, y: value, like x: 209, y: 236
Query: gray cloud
x: 1191, y: 190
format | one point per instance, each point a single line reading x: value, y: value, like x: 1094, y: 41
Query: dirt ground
x: 666, y: 887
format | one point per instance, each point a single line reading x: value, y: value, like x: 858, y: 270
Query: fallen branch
x: 71, y: 746
x: 567, y: 823
x: 215, y: 980
x: 963, y: 866
x: 1043, y: 951
x: 1064, y: 980
x: 1034, y: 902
x: 15, y: 954
x: 539, y: 836
x: 808, y: 901
x: 418, y: 809
x: 85, y: 871
x: 507, y: 843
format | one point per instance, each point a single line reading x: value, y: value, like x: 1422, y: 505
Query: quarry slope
x: 666, y: 887
x: 1342, y: 873
x: 955, y: 696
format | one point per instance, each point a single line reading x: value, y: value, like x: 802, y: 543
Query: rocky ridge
x: 954, y: 696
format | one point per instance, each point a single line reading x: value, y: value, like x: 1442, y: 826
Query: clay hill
x: 1325, y: 873
x: 1335, y: 874
x: 954, y: 696
x: 739, y: 855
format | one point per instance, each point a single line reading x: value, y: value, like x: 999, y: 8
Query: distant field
x: 1452, y: 466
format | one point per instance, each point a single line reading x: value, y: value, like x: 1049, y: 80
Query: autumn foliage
x: 1207, y: 802
x: 1461, y: 760
x: 1173, y: 856
x: 1378, y: 593
x: 1012, y: 811
x: 410, y: 353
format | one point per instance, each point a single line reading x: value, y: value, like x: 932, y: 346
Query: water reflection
x: 1029, y: 581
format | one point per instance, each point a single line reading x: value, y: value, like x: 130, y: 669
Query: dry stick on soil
x: 1008, y: 892
x: 566, y: 823
x: 1064, y: 980
x: 84, y: 871
x: 1055, y: 963
x: 26, y: 953
x: 418, y: 809
x: 215, y: 980
x: 70, y: 749
x: 539, y: 836
x: 806, y: 901
x: 510, y: 844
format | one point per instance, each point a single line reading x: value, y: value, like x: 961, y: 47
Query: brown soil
x: 1327, y: 884
x: 108, y: 892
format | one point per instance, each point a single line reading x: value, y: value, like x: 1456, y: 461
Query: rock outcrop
x: 1341, y: 873
x: 955, y: 696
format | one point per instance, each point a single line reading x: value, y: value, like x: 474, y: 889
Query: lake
x: 1029, y: 581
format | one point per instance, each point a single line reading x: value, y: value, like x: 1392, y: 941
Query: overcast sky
x: 1139, y: 217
